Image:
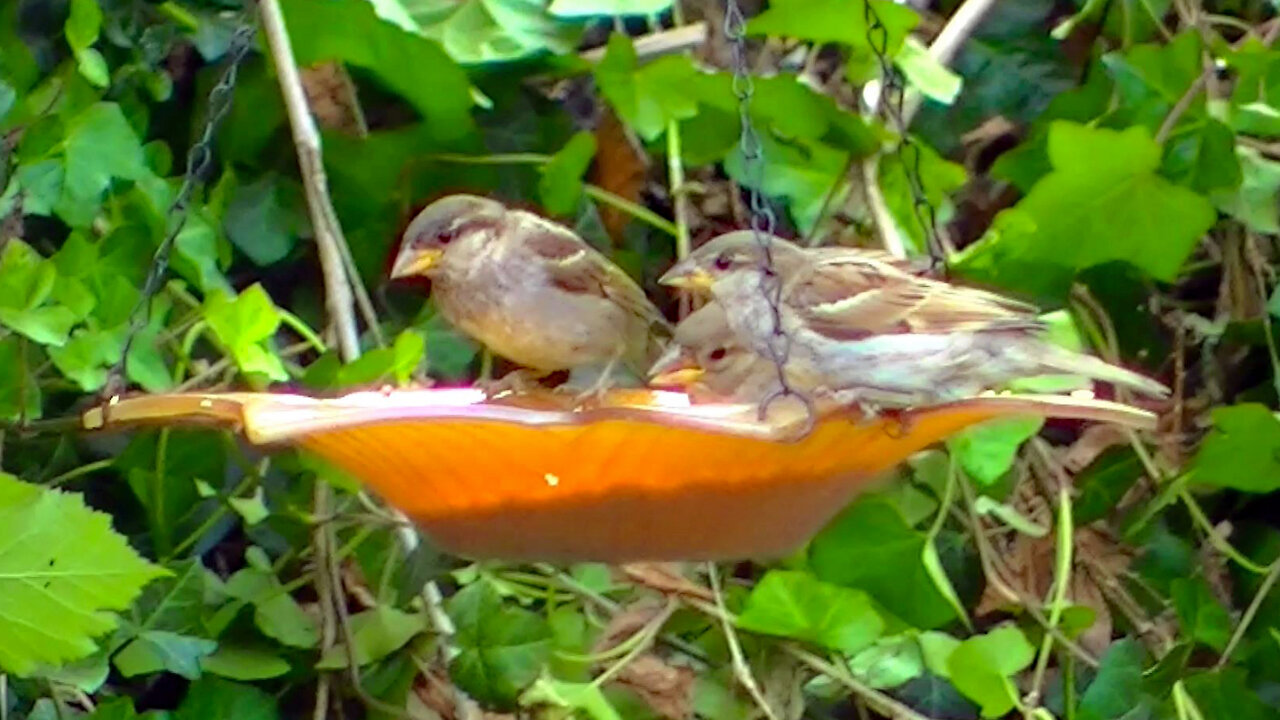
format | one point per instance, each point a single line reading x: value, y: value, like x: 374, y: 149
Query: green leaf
x: 1068, y: 220
x: 376, y: 633
x: 27, y: 282
x: 501, y: 648
x: 870, y: 547
x: 1200, y: 615
x: 211, y: 698
x: 1242, y: 451
x: 798, y: 605
x: 923, y: 71
x: 1226, y: 694
x: 648, y: 98
x: 275, y: 612
x: 100, y: 146
x: 1116, y: 688
x: 938, y: 177
x: 266, y: 217
x: 837, y: 21
x: 588, y: 8
x: 561, y: 184
x: 83, y: 23
x: 20, y: 396
x: 117, y: 708
x: 982, y: 665
x: 157, y: 650
x: 252, y: 509
x: 1151, y: 78
x: 62, y: 568
x: 88, y: 356
x: 243, y: 325
x: 585, y: 697
x: 1256, y: 202
x: 180, y: 601
x: 350, y: 31
x: 801, y: 171
x: 1203, y: 158
x: 236, y: 662
x: 483, y: 31
x: 890, y: 662
x: 986, y: 451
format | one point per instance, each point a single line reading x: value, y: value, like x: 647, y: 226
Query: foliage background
x: 1113, y: 160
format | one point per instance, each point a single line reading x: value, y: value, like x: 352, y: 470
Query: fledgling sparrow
x: 876, y: 332
x: 708, y: 361
x: 529, y: 289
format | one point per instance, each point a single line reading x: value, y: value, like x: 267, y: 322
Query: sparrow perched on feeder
x: 874, y: 331
x: 529, y: 289
x: 708, y: 361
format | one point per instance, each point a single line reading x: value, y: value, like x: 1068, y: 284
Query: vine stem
x: 1273, y: 573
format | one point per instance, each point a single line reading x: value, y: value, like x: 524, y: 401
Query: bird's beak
x: 687, y: 275
x: 412, y: 261
x: 676, y: 368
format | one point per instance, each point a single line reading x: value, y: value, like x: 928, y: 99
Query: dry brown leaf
x: 666, y: 578
x: 629, y: 621
x: 621, y: 167
x: 332, y: 97
x: 667, y: 689
x: 1092, y: 442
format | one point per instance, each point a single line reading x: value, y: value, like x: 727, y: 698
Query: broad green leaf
x: 242, y: 325
x: 1151, y: 78
x: 588, y: 8
x: 648, y: 98
x: 212, y: 698
x: 1116, y: 687
x: 923, y: 71
x: 197, y: 255
x: 83, y: 23
x: 352, y: 32
x: 179, y: 602
x: 584, y: 697
x: 981, y: 668
x: 41, y: 184
x: 252, y: 509
x: 1104, y: 483
x: 1068, y: 221
x: 935, y: 650
x: 266, y: 217
x: 87, y: 675
x: 837, y: 21
x: 275, y: 612
x: 987, y: 451
x: 1203, y: 157
x: 376, y: 634
x: 561, y: 184
x: 62, y: 569
x: 238, y: 662
x: 449, y: 352
x: 870, y: 547
x: 160, y: 650
x: 88, y: 356
x: 1242, y: 451
x: 1200, y: 615
x: 117, y: 708
x: 20, y: 395
x: 501, y: 648
x: 802, y: 172
x: 482, y: 31
x: 890, y: 662
x: 99, y: 147
x: 1256, y: 202
x: 1226, y: 694
x: 798, y: 605
x: 27, y: 307
x: 1256, y: 92
x: 938, y: 178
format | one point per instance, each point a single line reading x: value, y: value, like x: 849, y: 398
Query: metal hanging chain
x: 892, y: 96
x: 763, y: 221
x: 198, y: 159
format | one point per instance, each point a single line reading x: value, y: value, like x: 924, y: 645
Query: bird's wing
x: 576, y: 267
x: 853, y: 295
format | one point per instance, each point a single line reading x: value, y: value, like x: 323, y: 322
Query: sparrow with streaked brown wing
x: 877, y: 332
x: 529, y: 289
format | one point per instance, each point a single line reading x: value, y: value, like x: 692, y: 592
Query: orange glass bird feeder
x: 640, y: 475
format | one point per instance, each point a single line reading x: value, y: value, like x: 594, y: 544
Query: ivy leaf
x: 837, y: 21
x: 275, y: 612
x: 586, y: 697
x: 20, y: 396
x: 236, y: 662
x: 1242, y: 451
x: 483, y: 31
x: 870, y: 547
x: 798, y: 605
x: 648, y: 98
x: 88, y: 356
x: 26, y: 290
x: 1200, y: 615
x: 100, y: 146
x: 938, y: 178
x: 935, y: 80
x: 501, y: 647
x: 987, y: 451
x: 84, y: 21
x: 62, y: 568
x: 157, y: 650
x: 1256, y: 202
x: 1116, y: 688
x: 1068, y: 220
x: 1225, y: 694
x: 981, y: 667
x: 352, y: 32
x: 561, y: 184
x: 803, y: 172
x: 590, y: 8
x: 1203, y: 158
x: 376, y: 634
x: 211, y: 697
x: 266, y: 217
x: 1151, y: 78
x: 243, y: 325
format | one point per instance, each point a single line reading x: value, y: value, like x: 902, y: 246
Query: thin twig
x: 1263, y: 590
x: 740, y: 667
x: 306, y: 139
x: 1184, y: 103
x: 947, y: 45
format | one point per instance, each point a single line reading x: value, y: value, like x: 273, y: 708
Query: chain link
x: 198, y: 159
x: 892, y: 97
x: 763, y: 220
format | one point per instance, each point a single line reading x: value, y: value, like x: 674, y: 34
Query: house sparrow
x: 529, y: 289
x: 708, y: 361
x: 874, y: 331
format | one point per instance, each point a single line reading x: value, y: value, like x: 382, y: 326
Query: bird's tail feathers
x: 1066, y: 361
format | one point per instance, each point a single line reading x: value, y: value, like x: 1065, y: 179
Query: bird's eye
x: 723, y: 261
x: 444, y: 237
x: 717, y: 354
